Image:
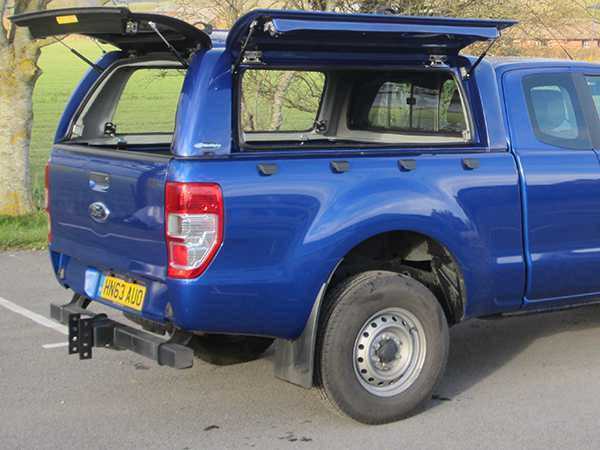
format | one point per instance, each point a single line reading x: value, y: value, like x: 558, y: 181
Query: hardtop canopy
x: 304, y: 30
x: 120, y: 27
x: 264, y: 29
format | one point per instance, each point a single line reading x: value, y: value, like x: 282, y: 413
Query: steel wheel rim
x: 389, y: 352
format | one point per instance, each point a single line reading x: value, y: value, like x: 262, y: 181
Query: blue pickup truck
x: 345, y: 186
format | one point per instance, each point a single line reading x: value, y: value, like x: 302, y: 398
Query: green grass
x: 26, y: 232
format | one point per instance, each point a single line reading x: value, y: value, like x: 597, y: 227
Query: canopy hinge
x: 438, y: 60
x: 252, y: 57
x: 131, y: 27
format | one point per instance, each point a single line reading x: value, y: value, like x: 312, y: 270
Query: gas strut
x: 96, y: 67
x: 169, y: 46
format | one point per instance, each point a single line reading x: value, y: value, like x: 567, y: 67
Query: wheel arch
x: 295, y: 360
x: 414, y: 253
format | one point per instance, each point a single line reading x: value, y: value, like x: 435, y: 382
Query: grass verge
x: 25, y: 233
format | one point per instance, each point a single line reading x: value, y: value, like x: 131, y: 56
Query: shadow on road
x: 480, y: 347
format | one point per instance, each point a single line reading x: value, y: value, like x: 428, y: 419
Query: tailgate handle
x: 99, y: 182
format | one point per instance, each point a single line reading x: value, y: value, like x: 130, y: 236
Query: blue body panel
x: 561, y: 202
x: 310, y: 29
x: 131, y: 243
x: 285, y: 234
x: 204, y: 116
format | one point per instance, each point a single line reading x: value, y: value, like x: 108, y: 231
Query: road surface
x: 523, y: 382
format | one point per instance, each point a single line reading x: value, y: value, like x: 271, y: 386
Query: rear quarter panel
x: 284, y: 234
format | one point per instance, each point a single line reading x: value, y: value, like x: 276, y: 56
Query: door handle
x: 99, y: 181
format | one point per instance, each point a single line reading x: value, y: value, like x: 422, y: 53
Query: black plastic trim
x: 471, y: 163
x: 406, y: 165
x: 267, y: 169
x: 339, y: 166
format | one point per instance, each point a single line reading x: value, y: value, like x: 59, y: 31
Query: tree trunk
x: 278, y: 96
x: 18, y: 73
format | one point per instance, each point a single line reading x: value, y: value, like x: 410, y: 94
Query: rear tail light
x: 47, y: 199
x: 194, y: 226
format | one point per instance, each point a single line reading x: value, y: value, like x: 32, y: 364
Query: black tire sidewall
x: 355, y: 302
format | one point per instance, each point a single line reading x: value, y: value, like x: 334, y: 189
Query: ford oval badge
x: 99, y: 212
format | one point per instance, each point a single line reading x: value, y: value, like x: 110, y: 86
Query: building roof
x: 574, y: 30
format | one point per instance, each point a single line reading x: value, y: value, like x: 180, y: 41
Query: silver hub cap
x: 389, y: 352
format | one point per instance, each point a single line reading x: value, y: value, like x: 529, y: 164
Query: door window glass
x: 593, y: 83
x: 554, y: 110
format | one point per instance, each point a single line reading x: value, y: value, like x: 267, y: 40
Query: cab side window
x: 556, y: 116
x: 593, y: 83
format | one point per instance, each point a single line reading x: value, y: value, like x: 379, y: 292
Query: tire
x: 224, y: 350
x: 401, y: 360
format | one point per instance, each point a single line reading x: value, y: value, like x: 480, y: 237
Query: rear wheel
x: 383, y: 346
x: 223, y: 350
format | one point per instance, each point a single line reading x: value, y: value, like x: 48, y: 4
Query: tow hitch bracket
x: 88, y: 330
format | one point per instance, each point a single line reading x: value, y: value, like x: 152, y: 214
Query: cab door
x: 554, y: 133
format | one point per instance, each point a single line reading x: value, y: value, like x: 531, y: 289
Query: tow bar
x: 88, y: 330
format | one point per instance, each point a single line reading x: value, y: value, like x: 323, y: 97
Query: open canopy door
x: 116, y: 26
x: 313, y: 31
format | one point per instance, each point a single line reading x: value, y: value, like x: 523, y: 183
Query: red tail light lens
x: 47, y: 199
x: 194, y: 227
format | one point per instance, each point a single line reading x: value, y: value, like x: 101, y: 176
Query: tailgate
x: 107, y: 209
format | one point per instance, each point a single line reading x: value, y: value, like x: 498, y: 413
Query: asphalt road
x: 523, y: 382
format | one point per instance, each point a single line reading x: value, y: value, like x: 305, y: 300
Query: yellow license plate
x: 123, y: 293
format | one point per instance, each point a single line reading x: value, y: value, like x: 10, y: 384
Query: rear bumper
x: 88, y: 330
x: 264, y: 301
